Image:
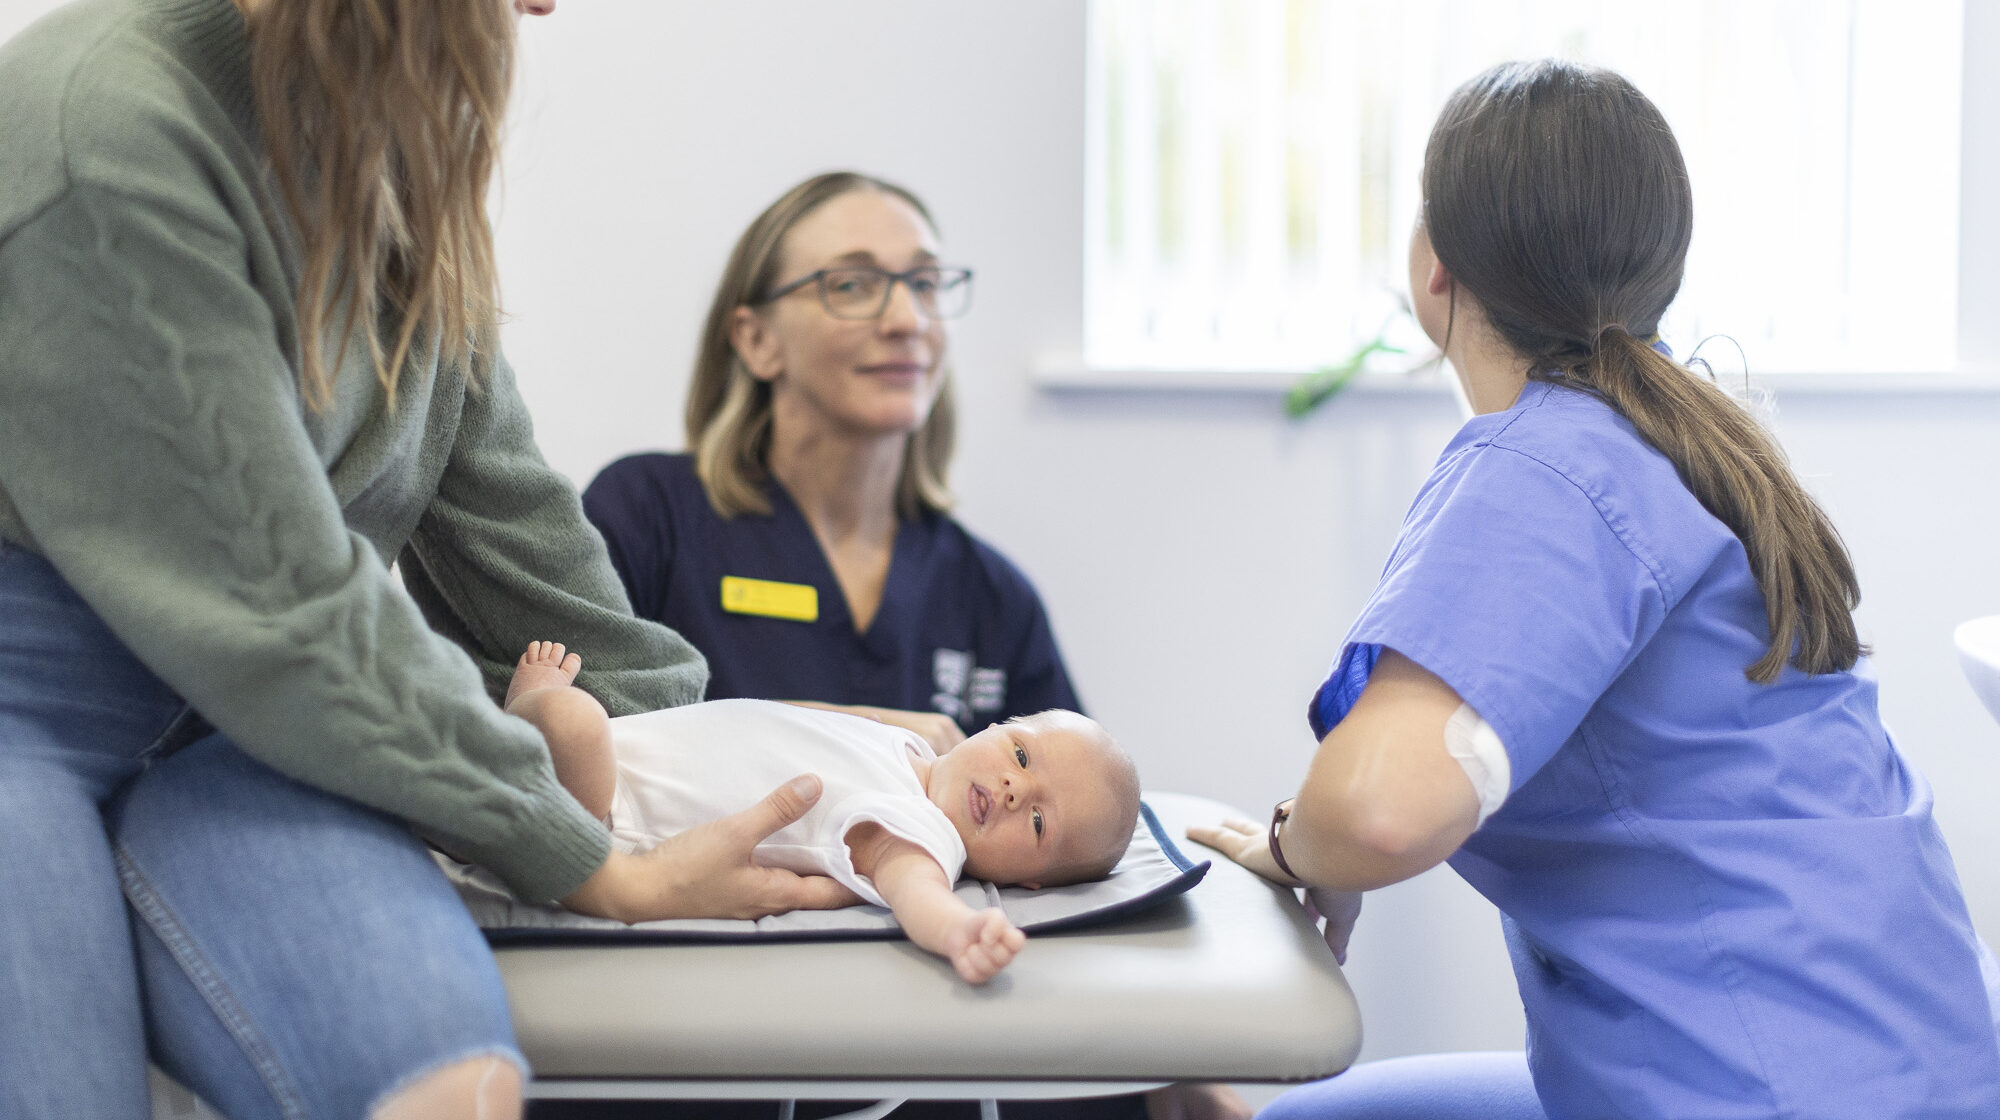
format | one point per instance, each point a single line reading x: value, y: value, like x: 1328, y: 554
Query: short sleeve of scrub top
x: 1510, y: 585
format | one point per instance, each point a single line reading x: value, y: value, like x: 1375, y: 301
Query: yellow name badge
x: 798, y: 602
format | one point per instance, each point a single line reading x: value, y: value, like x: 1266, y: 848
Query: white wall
x: 1201, y: 555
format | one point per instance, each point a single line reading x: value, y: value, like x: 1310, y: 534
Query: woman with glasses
x: 803, y: 542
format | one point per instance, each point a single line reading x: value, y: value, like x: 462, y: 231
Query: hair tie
x: 1597, y: 340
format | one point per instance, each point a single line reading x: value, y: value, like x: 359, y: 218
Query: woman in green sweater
x: 247, y: 361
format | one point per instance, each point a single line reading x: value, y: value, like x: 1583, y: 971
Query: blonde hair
x: 382, y: 122
x: 729, y: 411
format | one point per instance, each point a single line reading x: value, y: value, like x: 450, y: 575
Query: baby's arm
x: 978, y: 943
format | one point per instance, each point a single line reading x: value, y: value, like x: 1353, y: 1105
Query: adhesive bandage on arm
x: 1473, y: 743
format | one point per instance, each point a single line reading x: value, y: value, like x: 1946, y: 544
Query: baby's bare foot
x: 545, y: 665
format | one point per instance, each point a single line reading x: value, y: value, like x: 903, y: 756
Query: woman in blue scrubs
x: 1611, y: 676
x: 804, y: 543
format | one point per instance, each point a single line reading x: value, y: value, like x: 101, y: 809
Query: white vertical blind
x: 1252, y: 168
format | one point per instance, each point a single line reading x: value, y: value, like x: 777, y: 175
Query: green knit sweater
x: 154, y: 447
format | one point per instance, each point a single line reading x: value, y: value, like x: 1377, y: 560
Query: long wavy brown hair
x: 1556, y: 194
x: 382, y: 122
x: 729, y: 412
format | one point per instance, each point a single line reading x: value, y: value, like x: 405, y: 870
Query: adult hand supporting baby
x: 937, y: 729
x: 707, y: 872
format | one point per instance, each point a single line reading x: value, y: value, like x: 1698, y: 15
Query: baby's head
x: 1040, y: 801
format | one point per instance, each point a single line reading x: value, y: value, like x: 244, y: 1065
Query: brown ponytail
x: 1739, y: 474
x: 1556, y: 195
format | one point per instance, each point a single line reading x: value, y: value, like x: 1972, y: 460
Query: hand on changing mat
x: 1248, y: 843
x: 983, y: 943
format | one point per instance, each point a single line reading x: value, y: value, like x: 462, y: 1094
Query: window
x: 1252, y: 169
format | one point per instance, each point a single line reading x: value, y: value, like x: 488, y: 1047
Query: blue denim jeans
x: 280, y: 950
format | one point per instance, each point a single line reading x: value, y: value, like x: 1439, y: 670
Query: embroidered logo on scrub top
x: 798, y: 602
x: 964, y: 689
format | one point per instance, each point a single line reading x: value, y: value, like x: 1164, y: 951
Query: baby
x: 1038, y: 801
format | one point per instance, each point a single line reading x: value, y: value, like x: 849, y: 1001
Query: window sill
x: 1067, y: 376
x: 1075, y: 376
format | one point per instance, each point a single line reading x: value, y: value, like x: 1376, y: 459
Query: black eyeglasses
x: 862, y: 291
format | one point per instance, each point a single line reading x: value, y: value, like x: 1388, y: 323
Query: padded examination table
x: 1228, y: 982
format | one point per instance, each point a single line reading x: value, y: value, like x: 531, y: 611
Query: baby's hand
x: 983, y: 944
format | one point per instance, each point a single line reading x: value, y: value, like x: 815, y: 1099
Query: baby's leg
x: 574, y: 723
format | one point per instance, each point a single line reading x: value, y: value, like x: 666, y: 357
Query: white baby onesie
x: 680, y: 767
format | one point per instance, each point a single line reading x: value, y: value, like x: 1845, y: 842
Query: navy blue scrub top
x: 960, y: 630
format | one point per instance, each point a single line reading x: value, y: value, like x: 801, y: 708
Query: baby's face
x: 1030, y: 797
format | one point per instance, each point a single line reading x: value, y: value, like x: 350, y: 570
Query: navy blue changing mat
x: 1154, y: 869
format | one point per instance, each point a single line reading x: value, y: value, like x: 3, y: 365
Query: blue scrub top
x: 959, y: 630
x: 1722, y: 899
